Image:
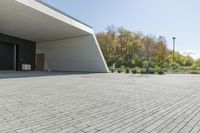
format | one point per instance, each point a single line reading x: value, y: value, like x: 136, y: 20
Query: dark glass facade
x: 16, y: 51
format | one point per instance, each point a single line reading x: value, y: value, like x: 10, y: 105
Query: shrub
x: 174, y: 65
x: 133, y: 63
x: 165, y: 69
x: 120, y: 62
x: 112, y: 70
x: 145, y: 64
x: 142, y: 71
x: 194, y: 66
x: 122, y: 67
x: 127, y: 70
x: 151, y: 64
x: 152, y: 70
x: 119, y: 70
x: 134, y: 70
x: 159, y: 70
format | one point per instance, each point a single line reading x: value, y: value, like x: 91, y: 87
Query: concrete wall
x: 73, y: 54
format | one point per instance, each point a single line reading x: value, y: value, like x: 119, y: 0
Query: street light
x: 174, y: 41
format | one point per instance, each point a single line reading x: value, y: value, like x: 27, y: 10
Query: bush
x: 120, y: 62
x: 152, y: 70
x: 127, y: 70
x: 112, y: 70
x: 151, y: 64
x: 142, y: 71
x: 194, y: 66
x: 119, y: 70
x: 145, y: 64
x: 174, y: 65
x: 122, y: 67
x: 134, y: 70
x: 133, y: 63
x: 159, y: 70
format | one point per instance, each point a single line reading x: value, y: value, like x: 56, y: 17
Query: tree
x: 133, y: 49
x: 160, y: 52
x: 198, y: 62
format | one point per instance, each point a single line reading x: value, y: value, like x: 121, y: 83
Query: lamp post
x: 174, y: 43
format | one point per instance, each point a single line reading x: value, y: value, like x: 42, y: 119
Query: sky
x: 168, y: 18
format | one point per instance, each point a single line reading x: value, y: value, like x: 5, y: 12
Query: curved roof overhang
x: 33, y: 20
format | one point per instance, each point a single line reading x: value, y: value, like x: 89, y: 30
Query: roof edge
x: 63, y: 13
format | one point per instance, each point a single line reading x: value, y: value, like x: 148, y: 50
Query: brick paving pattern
x: 99, y: 103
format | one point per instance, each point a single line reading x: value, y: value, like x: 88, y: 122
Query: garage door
x: 6, y: 56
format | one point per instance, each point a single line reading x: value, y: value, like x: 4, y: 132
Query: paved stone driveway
x: 99, y: 103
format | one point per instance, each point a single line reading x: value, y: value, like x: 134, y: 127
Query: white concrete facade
x: 72, y: 54
x: 68, y: 44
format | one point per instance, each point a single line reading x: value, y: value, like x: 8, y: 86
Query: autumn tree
x: 130, y: 49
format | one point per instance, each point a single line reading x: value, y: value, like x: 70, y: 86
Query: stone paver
x: 50, y: 102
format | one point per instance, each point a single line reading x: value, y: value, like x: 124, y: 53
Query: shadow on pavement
x: 26, y: 74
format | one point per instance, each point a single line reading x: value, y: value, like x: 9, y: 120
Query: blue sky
x: 179, y: 18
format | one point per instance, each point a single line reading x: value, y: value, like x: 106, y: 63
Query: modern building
x: 41, y: 37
